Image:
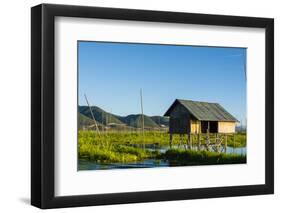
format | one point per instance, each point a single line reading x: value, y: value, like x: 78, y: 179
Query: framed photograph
x: 139, y: 106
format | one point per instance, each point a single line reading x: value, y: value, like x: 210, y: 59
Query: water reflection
x: 164, y: 148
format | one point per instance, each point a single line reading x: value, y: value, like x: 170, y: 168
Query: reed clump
x: 192, y: 157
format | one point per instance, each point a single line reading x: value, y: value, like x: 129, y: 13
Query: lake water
x: 148, y: 163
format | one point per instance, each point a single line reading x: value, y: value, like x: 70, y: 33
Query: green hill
x: 160, y: 120
x: 130, y: 121
x: 85, y: 122
x: 136, y: 121
x: 100, y: 115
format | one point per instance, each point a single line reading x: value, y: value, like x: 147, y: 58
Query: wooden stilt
x: 180, y: 143
x: 220, y: 140
x: 198, y: 141
x: 207, y: 144
x: 225, y: 144
x: 189, y: 141
x: 208, y: 137
x: 233, y: 142
x: 217, y: 142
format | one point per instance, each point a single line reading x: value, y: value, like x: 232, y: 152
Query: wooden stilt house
x: 194, y: 117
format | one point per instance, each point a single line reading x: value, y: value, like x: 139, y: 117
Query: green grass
x: 113, y: 153
x: 117, y: 147
x: 240, y: 140
x: 151, y: 137
x: 191, y: 157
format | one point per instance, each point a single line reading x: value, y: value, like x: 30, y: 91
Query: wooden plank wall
x: 226, y: 127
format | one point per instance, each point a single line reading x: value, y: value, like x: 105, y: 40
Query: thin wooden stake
x: 233, y: 142
x: 93, y: 117
x: 189, y: 141
x: 198, y: 142
x: 171, y: 140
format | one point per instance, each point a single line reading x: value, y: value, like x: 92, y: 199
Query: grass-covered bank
x: 191, y: 157
x: 114, y: 153
x: 176, y: 157
x: 127, y: 147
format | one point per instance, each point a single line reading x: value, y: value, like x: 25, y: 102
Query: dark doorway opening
x: 211, y: 125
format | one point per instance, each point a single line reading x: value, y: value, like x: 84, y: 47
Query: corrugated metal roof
x: 205, y: 111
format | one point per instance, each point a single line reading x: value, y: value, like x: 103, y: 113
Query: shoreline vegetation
x: 126, y: 147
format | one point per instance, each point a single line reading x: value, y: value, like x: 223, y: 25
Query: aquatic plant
x: 125, y: 147
x: 192, y: 157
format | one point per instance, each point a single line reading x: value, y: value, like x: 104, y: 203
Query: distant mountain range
x: 104, y: 118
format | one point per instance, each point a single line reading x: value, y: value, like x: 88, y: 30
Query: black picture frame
x: 43, y: 110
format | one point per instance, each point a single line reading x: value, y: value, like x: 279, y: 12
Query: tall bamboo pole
x: 93, y: 117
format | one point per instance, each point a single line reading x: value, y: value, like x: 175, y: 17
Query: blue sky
x: 112, y: 74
